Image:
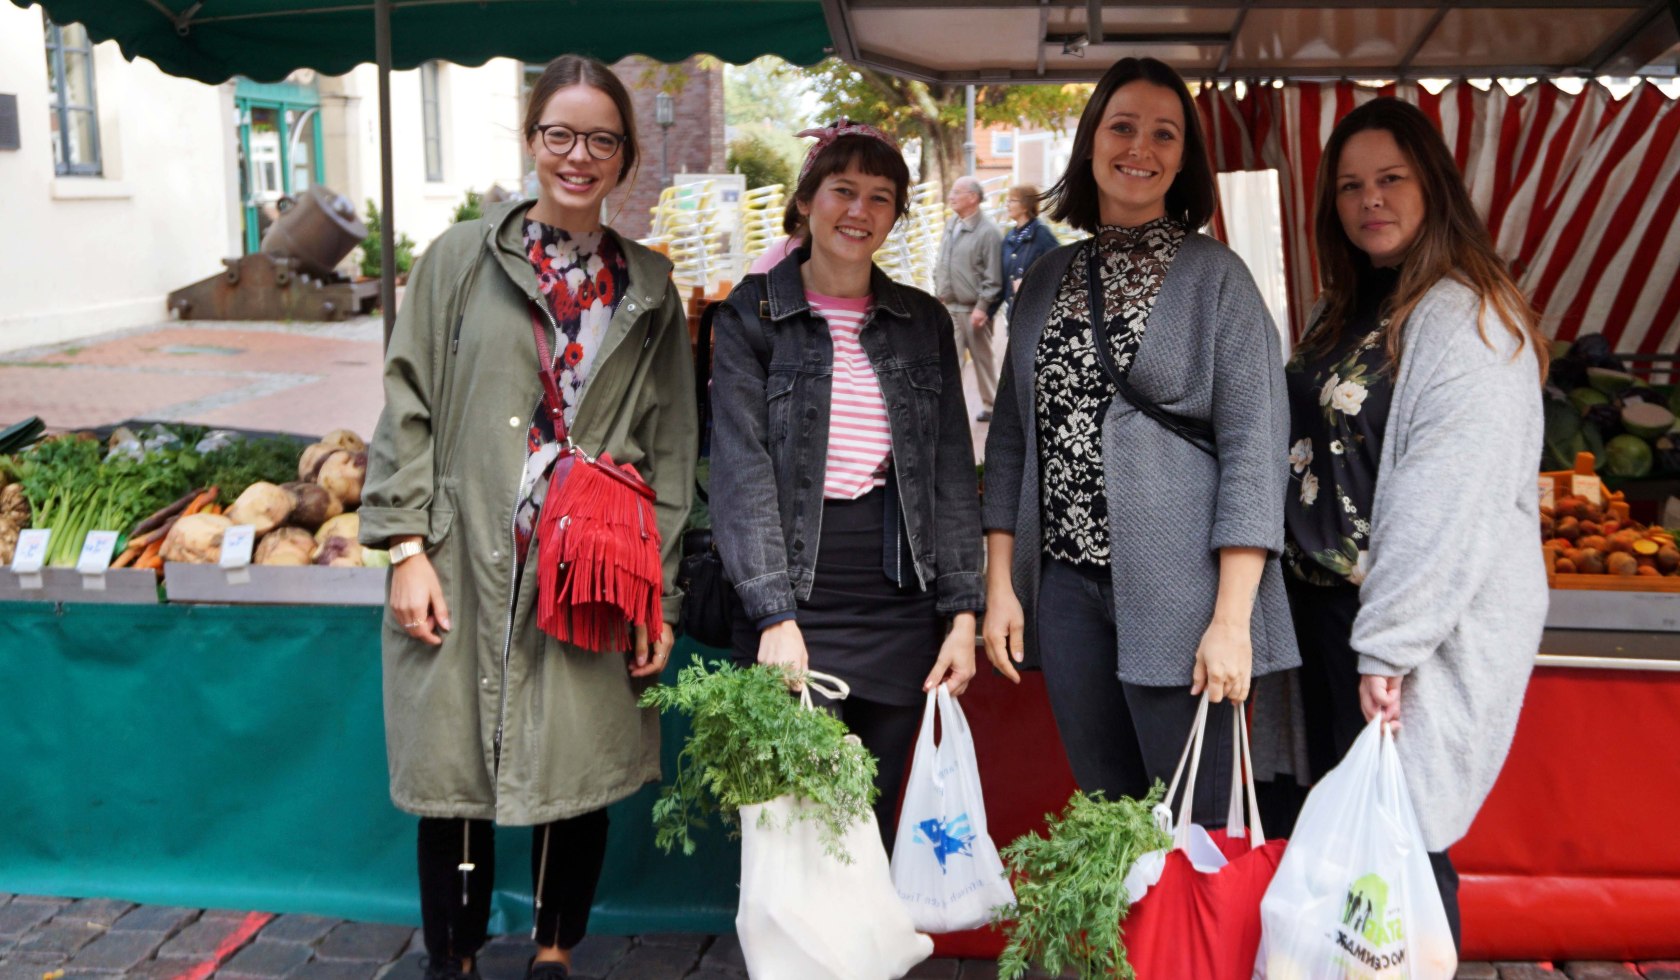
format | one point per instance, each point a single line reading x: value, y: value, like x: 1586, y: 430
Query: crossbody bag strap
x: 551, y: 386
x: 1194, y: 431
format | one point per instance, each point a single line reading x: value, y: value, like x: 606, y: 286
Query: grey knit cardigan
x: 1454, y: 597
x: 1209, y: 351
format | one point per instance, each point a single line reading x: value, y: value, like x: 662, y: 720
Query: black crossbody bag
x: 1196, y: 432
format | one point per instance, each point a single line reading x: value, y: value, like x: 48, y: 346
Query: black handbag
x: 1197, y: 432
x: 708, y: 597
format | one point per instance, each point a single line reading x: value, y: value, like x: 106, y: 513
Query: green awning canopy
x: 213, y: 40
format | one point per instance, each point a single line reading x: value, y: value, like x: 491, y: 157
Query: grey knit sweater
x: 1209, y: 351
x: 1454, y: 598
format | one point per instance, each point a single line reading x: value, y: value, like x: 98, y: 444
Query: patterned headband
x: 828, y: 134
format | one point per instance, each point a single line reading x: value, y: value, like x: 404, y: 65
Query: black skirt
x: 858, y: 624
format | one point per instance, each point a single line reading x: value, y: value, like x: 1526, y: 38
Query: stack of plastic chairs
x: 686, y: 222
x: 909, y: 253
x: 761, y: 220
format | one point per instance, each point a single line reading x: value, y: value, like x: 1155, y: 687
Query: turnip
x: 264, y: 506
x: 309, y: 464
x: 286, y: 546
x: 345, y: 439
x: 340, y: 553
x: 196, y: 538
x: 312, y: 505
x: 342, y: 474
x: 343, y: 526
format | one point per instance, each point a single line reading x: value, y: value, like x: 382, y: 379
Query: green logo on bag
x: 1368, y: 925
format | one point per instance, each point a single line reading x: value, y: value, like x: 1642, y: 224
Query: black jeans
x: 887, y: 731
x: 1120, y: 737
x: 1329, y: 675
x: 455, y: 904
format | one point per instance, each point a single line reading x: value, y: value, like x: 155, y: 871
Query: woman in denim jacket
x: 844, y: 497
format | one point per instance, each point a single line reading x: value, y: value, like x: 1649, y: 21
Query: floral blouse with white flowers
x: 1338, y: 405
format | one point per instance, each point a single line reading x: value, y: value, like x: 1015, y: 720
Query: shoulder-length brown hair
x: 1193, y: 196
x: 575, y: 69
x: 1452, y: 242
x: 870, y: 155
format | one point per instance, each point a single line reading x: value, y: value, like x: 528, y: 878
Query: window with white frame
x: 431, y: 115
x: 74, y: 112
x: 1003, y: 144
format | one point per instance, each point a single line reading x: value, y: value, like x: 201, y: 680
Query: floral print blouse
x: 1338, y: 406
x: 582, y: 278
x: 1074, y: 392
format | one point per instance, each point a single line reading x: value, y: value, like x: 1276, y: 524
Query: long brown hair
x: 575, y: 69
x: 1452, y: 242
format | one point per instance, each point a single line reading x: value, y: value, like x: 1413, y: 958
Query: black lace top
x: 1073, y: 392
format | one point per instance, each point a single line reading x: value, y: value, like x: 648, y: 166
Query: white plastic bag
x: 1355, y: 895
x: 807, y: 915
x: 944, y: 863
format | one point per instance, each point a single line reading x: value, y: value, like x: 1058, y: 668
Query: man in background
x: 969, y: 281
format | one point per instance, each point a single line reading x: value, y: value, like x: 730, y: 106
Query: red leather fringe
x: 598, y: 562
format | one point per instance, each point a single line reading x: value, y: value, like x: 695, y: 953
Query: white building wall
x: 85, y: 255
x: 479, y: 114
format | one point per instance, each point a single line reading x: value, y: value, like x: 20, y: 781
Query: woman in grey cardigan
x: 1133, y: 504
x: 1414, y: 567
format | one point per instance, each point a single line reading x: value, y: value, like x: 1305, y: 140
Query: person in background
x: 968, y: 279
x: 488, y: 720
x: 1134, y: 498
x: 1024, y: 244
x: 844, y: 496
x: 1415, y: 404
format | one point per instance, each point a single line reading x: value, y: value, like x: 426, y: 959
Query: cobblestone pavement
x: 98, y: 939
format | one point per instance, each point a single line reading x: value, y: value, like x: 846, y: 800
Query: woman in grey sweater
x: 1133, y: 504
x: 1415, y: 574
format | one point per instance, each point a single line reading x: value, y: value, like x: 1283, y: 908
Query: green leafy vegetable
x: 750, y: 743
x: 72, y: 490
x: 1069, y: 894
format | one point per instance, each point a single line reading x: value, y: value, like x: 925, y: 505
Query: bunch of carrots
x: 145, y: 542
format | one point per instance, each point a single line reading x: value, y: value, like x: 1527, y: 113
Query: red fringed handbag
x: 599, y: 571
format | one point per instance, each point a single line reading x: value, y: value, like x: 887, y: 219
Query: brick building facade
x: 696, y: 139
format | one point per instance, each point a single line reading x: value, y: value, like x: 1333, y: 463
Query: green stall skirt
x: 234, y: 757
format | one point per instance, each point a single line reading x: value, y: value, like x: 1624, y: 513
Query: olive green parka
x: 502, y: 721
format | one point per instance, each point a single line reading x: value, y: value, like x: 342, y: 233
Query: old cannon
x: 293, y: 276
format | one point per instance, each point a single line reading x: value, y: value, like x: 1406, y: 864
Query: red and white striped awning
x: 1581, y: 191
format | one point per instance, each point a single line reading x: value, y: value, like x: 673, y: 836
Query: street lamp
x: 664, y: 113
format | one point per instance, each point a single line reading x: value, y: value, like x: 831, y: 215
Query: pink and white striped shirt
x: 859, y: 438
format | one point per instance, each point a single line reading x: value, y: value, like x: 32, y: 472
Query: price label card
x: 30, y: 555
x: 1548, y: 491
x: 97, y: 549
x: 236, y: 553
x: 1589, y: 487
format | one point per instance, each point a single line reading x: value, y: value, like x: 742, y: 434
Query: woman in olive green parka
x: 487, y: 718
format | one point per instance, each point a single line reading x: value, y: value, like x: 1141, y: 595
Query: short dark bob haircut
x: 1193, y: 196
x: 871, y: 156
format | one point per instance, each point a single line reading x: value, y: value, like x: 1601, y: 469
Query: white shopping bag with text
x: 944, y: 863
x: 1354, y: 897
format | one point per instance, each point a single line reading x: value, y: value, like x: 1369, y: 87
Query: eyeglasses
x: 602, y: 144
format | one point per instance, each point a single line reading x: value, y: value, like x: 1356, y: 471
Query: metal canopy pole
x: 387, y: 207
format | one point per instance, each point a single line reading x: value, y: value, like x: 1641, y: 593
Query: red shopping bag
x: 1203, y: 922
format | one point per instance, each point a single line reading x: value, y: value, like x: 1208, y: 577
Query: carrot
x: 203, y: 500
x: 166, y: 514
x: 127, y: 557
x: 152, y: 561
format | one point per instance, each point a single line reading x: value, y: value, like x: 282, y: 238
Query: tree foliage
x: 754, y: 158
x: 936, y: 113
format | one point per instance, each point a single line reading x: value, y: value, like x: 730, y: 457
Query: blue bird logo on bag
x: 1370, y: 931
x: 954, y: 836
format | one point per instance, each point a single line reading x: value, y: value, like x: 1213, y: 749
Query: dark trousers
x: 455, y: 905
x: 1120, y: 738
x: 888, y: 731
x: 1329, y: 675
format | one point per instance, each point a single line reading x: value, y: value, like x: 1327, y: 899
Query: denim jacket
x: 772, y: 377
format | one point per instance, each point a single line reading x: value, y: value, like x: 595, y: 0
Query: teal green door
x: 280, y: 152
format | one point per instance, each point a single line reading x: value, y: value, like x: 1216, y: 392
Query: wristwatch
x: 403, y: 552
